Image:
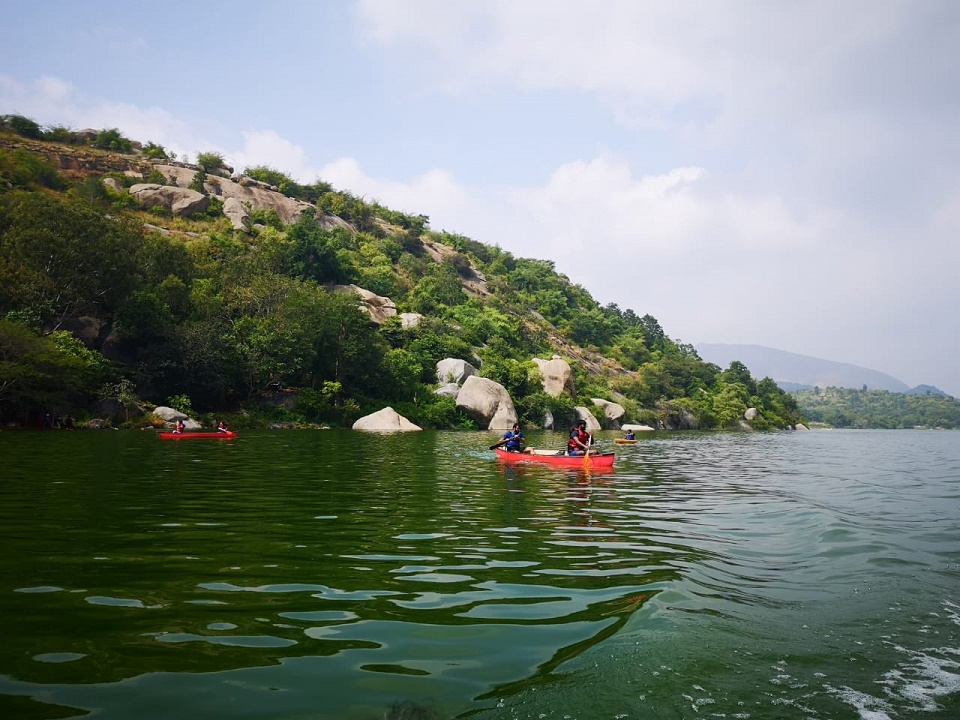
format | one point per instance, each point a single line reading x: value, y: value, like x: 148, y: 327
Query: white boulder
x: 557, y: 376
x: 386, y: 420
x: 487, y: 402
x: 454, y: 370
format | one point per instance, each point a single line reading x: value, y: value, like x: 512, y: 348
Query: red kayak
x: 197, y: 435
x: 554, y: 457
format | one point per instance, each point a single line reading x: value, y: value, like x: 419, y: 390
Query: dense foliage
x: 848, y: 408
x: 193, y: 313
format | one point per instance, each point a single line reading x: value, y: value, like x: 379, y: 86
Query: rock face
x: 454, y: 370
x: 386, y: 420
x: 237, y: 212
x: 379, y: 308
x: 179, y: 201
x: 584, y: 414
x: 410, y: 320
x: 258, y: 197
x: 557, y: 376
x: 750, y: 414
x: 611, y: 411
x: 448, y: 390
x: 487, y: 402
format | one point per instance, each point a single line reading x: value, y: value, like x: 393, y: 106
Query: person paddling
x: 222, y: 427
x: 513, y: 440
x: 630, y: 435
x: 579, y: 442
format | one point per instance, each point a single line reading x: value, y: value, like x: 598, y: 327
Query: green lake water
x: 326, y: 574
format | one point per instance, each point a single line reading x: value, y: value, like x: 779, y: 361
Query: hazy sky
x: 766, y: 172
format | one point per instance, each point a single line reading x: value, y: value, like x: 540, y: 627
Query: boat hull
x: 552, y: 458
x: 624, y: 441
x: 197, y: 435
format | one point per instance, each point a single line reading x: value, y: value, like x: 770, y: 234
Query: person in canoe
x: 513, y: 440
x: 630, y: 435
x: 180, y: 427
x: 580, y: 440
x: 222, y: 427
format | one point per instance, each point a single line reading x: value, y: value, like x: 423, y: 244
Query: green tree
x: 63, y: 258
x: 42, y: 371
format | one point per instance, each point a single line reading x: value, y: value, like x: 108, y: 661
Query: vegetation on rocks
x: 97, y: 293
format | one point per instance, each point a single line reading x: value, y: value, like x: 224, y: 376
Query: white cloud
x: 435, y: 193
x: 52, y: 101
x: 268, y: 148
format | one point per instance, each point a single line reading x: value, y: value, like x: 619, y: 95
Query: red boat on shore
x: 197, y: 435
x: 557, y: 457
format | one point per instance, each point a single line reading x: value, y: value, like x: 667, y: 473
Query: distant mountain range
x: 800, y: 372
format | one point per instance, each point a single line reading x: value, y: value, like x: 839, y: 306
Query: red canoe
x: 197, y: 435
x: 552, y: 457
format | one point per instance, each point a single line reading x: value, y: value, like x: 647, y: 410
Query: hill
x: 793, y: 371
x: 131, y: 279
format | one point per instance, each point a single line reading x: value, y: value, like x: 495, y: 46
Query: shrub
x: 112, y: 139
x: 181, y: 403
x: 210, y: 161
x: 21, y: 125
x: 154, y: 151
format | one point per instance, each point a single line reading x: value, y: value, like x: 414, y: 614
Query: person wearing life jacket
x: 579, y: 442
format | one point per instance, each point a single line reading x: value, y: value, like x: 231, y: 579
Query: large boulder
x: 386, y: 420
x: 448, y: 390
x: 487, y: 402
x: 170, y: 417
x: 179, y: 201
x: 587, y: 416
x: 379, y: 308
x: 453, y: 370
x: 557, y: 376
x: 237, y: 212
x: 611, y: 411
x: 637, y: 428
x: 168, y: 414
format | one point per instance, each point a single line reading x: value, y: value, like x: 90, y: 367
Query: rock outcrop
x: 454, y: 370
x: 487, y: 402
x: 237, y: 212
x: 587, y: 416
x: 179, y: 201
x: 386, y: 420
x: 557, y: 376
x: 170, y: 416
x: 249, y: 195
x: 611, y: 411
x: 379, y: 308
x: 410, y: 320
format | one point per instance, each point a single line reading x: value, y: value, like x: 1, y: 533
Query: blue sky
x: 774, y: 173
